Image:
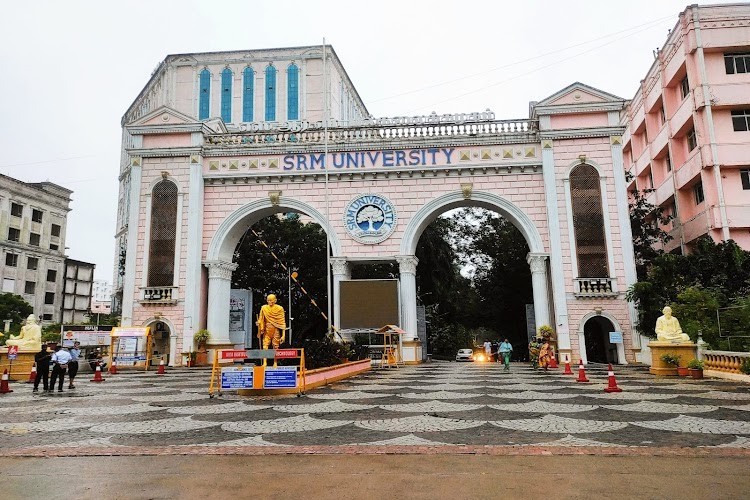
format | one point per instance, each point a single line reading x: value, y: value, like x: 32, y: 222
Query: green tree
x: 16, y: 309
x: 646, y: 220
x: 696, y: 308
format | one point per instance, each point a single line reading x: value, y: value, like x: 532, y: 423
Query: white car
x: 465, y: 355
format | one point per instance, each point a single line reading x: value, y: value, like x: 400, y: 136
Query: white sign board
x: 615, y: 337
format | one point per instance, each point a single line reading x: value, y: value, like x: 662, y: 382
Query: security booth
x: 391, y: 356
x: 131, y: 346
x: 94, y: 339
x: 249, y: 379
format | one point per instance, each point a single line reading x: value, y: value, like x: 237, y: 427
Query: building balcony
x: 683, y: 114
x: 595, y: 287
x: 159, y: 295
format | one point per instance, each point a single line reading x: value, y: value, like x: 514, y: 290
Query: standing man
x: 488, y: 350
x: 75, y: 353
x: 504, y: 351
x: 42, y: 359
x: 60, y: 360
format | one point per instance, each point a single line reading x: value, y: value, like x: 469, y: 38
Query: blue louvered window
x: 292, y: 92
x: 226, y: 95
x: 248, y: 86
x: 270, y: 93
x: 205, y: 95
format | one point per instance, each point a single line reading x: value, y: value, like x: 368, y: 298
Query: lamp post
x: 289, y: 294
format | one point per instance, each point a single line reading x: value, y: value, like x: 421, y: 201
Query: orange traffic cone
x: 161, y: 370
x: 567, y: 368
x: 98, y: 375
x: 612, y: 386
x: 4, y: 388
x: 113, y: 368
x: 32, y: 374
x: 553, y: 361
x: 581, y: 372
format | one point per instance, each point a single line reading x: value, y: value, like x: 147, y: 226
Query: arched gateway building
x: 217, y: 141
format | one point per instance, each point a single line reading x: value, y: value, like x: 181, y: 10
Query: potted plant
x: 201, y: 338
x: 191, y: 358
x: 695, y: 367
x: 671, y: 360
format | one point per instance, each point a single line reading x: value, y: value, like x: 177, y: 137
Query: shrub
x: 745, y: 366
x: 670, y: 359
x: 202, y: 336
x: 695, y: 364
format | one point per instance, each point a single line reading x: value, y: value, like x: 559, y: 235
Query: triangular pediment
x: 578, y: 93
x: 164, y: 115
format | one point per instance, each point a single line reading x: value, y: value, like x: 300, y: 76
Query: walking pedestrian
x: 505, y: 349
x: 42, y: 359
x: 75, y: 353
x: 60, y: 360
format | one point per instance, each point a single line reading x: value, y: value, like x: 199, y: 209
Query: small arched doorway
x: 598, y: 347
x: 160, y: 333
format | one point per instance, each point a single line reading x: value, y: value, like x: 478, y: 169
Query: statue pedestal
x: 684, y: 350
x: 21, y: 367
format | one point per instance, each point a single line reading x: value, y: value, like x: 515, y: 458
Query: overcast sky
x: 70, y: 69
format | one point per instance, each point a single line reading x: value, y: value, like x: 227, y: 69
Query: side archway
x: 591, y: 333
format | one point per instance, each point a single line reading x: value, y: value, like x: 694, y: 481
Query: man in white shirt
x: 60, y: 360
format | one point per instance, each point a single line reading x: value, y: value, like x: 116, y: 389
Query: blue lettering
x: 448, y: 152
x: 433, y: 152
x: 288, y: 162
x: 340, y: 163
x: 320, y: 160
x: 352, y: 159
x: 400, y: 158
x: 414, y: 157
x: 387, y: 158
x: 373, y: 157
x: 301, y: 162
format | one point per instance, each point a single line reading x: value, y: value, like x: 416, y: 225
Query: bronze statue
x: 271, y: 324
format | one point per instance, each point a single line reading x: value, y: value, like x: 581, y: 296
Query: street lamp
x: 290, y: 276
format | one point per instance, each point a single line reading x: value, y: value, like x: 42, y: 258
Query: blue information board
x: 615, y: 337
x: 237, y: 378
x: 130, y: 358
x: 282, y: 377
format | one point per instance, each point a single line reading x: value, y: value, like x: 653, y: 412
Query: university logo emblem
x: 370, y: 218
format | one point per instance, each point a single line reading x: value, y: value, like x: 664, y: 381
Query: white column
x: 172, y: 348
x: 408, y: 286
x: 340, y: 269
x: 219, y: 286
x: 556, y: 264
x: 193, y: 269
x: 128, y: 285
x: 538, y: 264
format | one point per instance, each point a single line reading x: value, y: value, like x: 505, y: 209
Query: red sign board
x: 235, y: 354
x: 12, y: 352
x: 286, y: 353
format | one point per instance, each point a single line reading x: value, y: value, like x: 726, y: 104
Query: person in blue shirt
x: 60, y: 360
x: 505, y: 349
x: 75, y: 353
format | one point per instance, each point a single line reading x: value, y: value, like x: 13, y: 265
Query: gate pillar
x: 341, y: 271
x: 538, y: 264
x: 219, y: 286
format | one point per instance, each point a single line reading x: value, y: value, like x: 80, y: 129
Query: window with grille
x: 11, y: 259
x: 49, y: 298
x: 745, y: 178
x: 51, y: 275
x: 270, y: 93
x: 684, y: 87
x: 34, y: 239
x: 292, y: 92
x: 226, y: 95
x: 29, y: 288
x: 163, y: 234
x: 698, y: 192
x: 692, y: 140
x: 16, y: 210
x: 55, y: 229
x: 14, y: 234
x: 36, y: 215
x: 741, y: 120
x: 248, y: 87
x: 588, y: 222
x: 32, y: 263
x: 737, y: 63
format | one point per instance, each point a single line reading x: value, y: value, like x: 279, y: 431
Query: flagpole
x: 326, y: 115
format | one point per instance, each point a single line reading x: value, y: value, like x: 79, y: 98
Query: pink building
x: 687, y: 129
x: 217, y: 141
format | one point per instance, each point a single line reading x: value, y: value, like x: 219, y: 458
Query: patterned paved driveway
x: 450, y: 407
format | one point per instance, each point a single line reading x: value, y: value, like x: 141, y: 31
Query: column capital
x: 407, y: 264
x: 220, y: 269
x: 339, y: 266
x: 537, y: 262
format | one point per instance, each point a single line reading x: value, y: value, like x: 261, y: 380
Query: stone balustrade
x: 595, y: 287
x: 159, y: 295
x: 521, y: 129
x: 724, y: 361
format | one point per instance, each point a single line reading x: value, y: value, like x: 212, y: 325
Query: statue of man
x: 271, y: 323
x: 668, y: 328
x: 30, y: 338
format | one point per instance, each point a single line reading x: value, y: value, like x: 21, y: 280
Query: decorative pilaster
x: 193, y: 268
x: 538, y: 265
x: 340, y: 269
x: 219, y: 286
x: 128, y: 285
x: 408, y: 274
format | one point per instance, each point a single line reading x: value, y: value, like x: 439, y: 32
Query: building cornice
x: 578, y: 133
x: 590, y: 107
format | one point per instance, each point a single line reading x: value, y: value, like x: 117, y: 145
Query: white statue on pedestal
x: 668, y: 328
